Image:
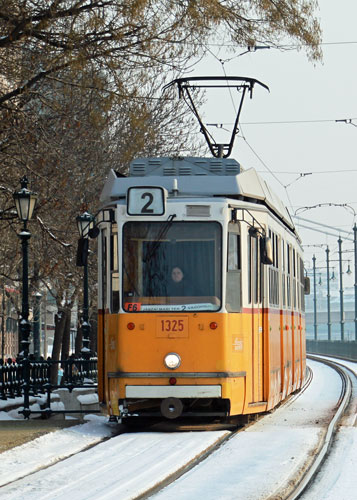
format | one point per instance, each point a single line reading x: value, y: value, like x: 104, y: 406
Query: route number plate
x: 146, y: 201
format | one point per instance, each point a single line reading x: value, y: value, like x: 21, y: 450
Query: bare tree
x: 80, y: 93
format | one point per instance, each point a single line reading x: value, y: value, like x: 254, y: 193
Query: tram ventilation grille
x: 143, y: 167
x: 169, y: 171
x: 185, y: 171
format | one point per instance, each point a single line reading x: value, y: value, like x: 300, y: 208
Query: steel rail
x: 220, y: 442
x: 343, y: 402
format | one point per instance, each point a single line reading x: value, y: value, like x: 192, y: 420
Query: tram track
x: 292, y: 488
x: 297, y: 484
x: 326, y: 442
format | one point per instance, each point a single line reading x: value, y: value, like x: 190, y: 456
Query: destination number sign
x: 146, y: 201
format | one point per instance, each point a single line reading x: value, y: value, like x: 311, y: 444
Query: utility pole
x: 355, y: 255
x: 328, y: 293
x: 342, y: 322
x: 315, y: 306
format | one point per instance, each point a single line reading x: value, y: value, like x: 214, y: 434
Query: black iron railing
x: 28, y: 377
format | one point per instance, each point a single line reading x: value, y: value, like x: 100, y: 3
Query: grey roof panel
x: 197, y: 177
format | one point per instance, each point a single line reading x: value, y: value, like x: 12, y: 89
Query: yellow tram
x: 201, y: 292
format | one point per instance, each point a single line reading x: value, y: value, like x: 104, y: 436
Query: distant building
x: 10, y: 304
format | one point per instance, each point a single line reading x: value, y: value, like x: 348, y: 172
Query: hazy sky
x: 314, y: 95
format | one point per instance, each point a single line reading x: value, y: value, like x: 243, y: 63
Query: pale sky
x: 301, y: 91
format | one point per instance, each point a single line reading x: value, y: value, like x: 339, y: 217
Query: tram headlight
x: 172, y: 361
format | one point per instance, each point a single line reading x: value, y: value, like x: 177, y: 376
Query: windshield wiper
x: 162, y: 234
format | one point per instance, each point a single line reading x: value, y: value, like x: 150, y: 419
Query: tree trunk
x: 79, y: 336
x: 66, y: 340
x: 60, y: 321
x: 93, y: 334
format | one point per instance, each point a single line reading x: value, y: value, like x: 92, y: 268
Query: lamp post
x: 315, y: 305
x: 25, y: 202
x: 355, y: 285
x: 85, y: 223
x: 37, y: 326
x: 328, y: 293
x: 342, y: 319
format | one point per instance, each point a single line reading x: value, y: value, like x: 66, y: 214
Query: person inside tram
x: 178, y: 285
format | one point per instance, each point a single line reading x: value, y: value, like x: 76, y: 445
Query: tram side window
x: 302, y: 279
x: 288, y: 278
x: 233, y: 291
x: 249, y: 250
x: 298, y: 305
x: 283, y: 273
x: 114, y: 270
x: 256, y: 273
x: 104, y: 269
x: 274, y: 272
x: 294, y: 278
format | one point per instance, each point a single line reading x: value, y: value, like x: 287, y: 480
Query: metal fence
x: 29, y: 377
x: 346, y: 350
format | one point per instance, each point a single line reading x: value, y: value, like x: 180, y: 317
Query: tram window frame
x: 249, y: 263
x: 254, y: 268
x: 234, y: 271
x: 283, y: 291
x: 236, y: 250
x: 302, y: 279
x: 211, y: 235
x: 294, y: 302
x: 274, y: 289
x: 288, y: 277
x: 114, y: 270
x: 104, y: 267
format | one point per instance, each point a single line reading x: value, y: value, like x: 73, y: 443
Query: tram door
x: 255, y: 299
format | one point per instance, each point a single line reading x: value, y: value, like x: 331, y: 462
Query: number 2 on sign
x: 172, y: 325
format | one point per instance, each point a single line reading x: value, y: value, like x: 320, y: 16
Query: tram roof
x: 196, y: 177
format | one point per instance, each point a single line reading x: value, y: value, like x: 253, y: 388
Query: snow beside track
x: 249, y: 466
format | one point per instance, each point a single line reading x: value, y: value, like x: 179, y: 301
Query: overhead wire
x: 243, y: 135
x: 284, y: 122
x: 300, y: 174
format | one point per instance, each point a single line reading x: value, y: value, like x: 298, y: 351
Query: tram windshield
x: 172, y: 266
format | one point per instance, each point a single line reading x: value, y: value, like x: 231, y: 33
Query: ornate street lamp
x: 25, y: 202
x: 85, y: 223
x: 37, y: 326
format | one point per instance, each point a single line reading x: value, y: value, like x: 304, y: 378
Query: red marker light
x: 172, y: 381
x: 130, y: 326
x: 213, y: 325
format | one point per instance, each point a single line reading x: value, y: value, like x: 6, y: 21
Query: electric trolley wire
x: 319, y: 172
x: 251, y: 48
x: 284, y: 122
x: 222, y: 62
x: 243, y: 136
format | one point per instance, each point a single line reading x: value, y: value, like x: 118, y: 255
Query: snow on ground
x: 120, y: 468
x: 49, y: 448
x: 337, y: 480
x: 249, y: 466
x: 8, y: 403
x: 257, y: 461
